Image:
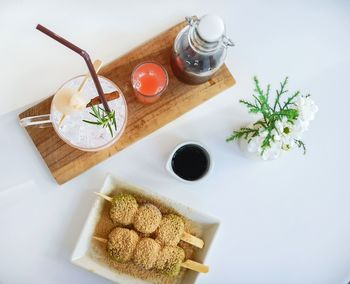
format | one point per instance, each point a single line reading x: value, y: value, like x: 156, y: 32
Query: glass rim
x: 109, y: 143
x: 158, y: 64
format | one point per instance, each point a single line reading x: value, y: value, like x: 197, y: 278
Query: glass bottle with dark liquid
x: 200, y: 49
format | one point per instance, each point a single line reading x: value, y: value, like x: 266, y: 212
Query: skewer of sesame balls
x: 124, y: 245
x: 147, y: 219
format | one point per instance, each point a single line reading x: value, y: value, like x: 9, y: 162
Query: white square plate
x: 82, y: 256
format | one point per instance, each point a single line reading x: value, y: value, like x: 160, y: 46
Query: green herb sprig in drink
x: 103, y: 118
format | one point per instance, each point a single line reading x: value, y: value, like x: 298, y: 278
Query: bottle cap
x: 211, y: 28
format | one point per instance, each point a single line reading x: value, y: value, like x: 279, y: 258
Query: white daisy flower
x: 307, y: 108
x: 276, y: 135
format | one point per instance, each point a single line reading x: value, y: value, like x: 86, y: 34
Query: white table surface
x: 286, y: 221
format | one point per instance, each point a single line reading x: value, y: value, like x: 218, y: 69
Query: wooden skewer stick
x: 104, y: 196
x: 102, y: 240
x: 195, y: 266
x: 189, y: 264
x: 186, y: 237
x: 97, y: 66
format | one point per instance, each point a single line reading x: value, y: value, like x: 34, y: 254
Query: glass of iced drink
x: 74, y: 130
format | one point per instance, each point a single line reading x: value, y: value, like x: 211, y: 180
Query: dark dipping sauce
x: 190, y: 162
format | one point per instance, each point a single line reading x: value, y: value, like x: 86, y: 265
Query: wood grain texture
x: 66, y: 162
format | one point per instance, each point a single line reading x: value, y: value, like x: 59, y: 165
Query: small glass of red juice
x: 149, y: 80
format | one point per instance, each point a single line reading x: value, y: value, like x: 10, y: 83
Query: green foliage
x: 243, y: 133
x: 103, y: 118
x: 270, y: 113
x: 300, y: 144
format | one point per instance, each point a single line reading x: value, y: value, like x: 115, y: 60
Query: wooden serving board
x: 66, y: 162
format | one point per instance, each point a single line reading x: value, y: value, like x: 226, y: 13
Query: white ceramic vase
x: 243, y: 145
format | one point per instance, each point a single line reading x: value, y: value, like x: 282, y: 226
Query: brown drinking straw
x: 86, y: 57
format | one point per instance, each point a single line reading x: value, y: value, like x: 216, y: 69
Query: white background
x: 286, y: 221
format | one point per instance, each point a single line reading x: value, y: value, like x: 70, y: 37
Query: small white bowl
x: 170, y: 170
x: 82, y: 255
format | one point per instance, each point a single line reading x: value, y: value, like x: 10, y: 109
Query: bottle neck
x: 199, y: 44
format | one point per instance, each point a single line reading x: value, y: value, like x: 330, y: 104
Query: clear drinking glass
x: 74, y: 131
x: 149, y: 80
